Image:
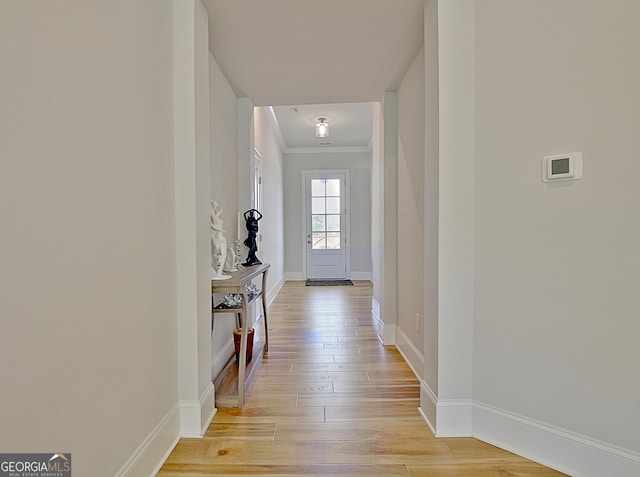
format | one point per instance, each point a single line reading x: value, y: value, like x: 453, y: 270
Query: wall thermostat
x: 562, y: 167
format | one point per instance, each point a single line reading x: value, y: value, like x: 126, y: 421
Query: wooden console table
x: 234, y: 376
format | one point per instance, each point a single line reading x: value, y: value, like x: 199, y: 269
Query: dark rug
x: 328, y: 283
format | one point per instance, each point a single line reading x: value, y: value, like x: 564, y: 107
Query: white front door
x: 326, y: 237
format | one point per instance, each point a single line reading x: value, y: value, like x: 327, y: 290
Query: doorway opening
x: 325, y: 221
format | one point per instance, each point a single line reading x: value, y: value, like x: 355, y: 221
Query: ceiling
x: 349, y: 124
x: 325, y: 57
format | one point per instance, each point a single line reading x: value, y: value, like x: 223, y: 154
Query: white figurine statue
x: 231, y: 265
x: 218, y: 243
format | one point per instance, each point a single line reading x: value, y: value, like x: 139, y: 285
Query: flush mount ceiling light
x: 322, y: 128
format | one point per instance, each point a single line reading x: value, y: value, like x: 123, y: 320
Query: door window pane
x: 333, y: 223
x: 318, y: 188
x: 318, y: 223
x: 318, y: 205
x: 333, y: 240
x: 333, y: 205
x: 333, y: 188
x: 319, y: 241
x: 325, y: 214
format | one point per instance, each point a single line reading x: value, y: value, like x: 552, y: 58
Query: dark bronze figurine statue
x: 251, y: 218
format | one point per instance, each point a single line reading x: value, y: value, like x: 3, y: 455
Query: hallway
x: 330, y: 400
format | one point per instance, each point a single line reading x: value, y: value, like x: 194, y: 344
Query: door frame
x: 258, y: 190
x: 306, y: 173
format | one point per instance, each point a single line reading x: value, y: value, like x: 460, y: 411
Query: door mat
x: 328, y: 283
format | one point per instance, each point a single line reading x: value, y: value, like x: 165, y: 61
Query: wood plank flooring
x: 330, y: 400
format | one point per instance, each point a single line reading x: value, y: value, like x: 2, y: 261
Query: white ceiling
x: 312, y: 54
x: 349, y: 124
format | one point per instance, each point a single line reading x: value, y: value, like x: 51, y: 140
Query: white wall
x: 389, y: 303
x: 456, y: 141
x: 411, y: 178
x: 377, y: 217
x: 431, y: 192
x: 272, y: 223
x: 224, y: 168
x: 359, y: 165
x: 225, y: 172
x: 384, y: 167
x: 193, y: 212
x: 224, y: 179
x: 556, y: 328
x: 87, y: 272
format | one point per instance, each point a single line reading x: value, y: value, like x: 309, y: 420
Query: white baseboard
x: 375, y: 309
x: 411, y: 354
x: 386, y: 333
x: 454, y: 418
x: 208, y: 406
x: 195, y: 416
x: 428, y: 401
x: 361, y: 276
x: 155, y: 449
x: 220, y: 360
x: 299, y: 276
x: 565, y: 451
x: 294, y: 276
x: 272, y: 293
x: 415, y: 359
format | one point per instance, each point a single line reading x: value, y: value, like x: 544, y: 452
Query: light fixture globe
x: 322, y: 128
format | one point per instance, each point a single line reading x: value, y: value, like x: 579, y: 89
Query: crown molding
x: 326, y: 149
x: 276, y: 128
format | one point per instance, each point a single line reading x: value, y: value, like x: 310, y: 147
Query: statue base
x: 251, y: 263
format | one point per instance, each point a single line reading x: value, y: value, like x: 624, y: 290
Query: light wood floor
x: 330, y: 400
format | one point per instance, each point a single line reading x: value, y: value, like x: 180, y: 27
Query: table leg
x: 242, y: 359
x: 264, y: 310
